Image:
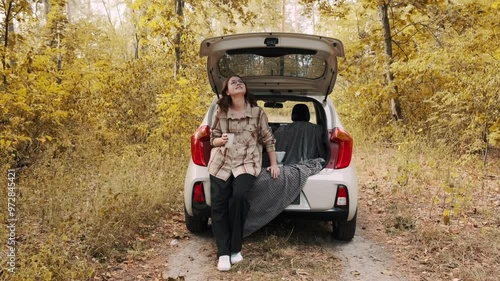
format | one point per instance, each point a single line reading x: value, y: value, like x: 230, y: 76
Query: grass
x: 88, y: 206
x: 441, y: 208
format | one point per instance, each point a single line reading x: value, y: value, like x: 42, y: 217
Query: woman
x: 234, y: 166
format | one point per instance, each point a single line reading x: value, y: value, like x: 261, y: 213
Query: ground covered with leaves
x: 438, y: 213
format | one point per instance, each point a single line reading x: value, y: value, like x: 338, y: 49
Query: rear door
x: 274, y: 63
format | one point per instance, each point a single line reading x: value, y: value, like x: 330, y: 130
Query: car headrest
x: 300, y: 112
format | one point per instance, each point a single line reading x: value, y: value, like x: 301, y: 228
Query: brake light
x: 198, y: 193
x: 340, y: 149
x: 342, y: 199
x: 200, y: 145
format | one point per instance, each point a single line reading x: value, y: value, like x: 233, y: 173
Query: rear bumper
x: 317, y: 196
x: 203, y: 210
x: 196, y: 174
x: 319, y: 193
x: 336, y: 214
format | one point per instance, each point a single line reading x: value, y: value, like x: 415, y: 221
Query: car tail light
x: 198, y: 193
x: 340, y: 149
x: 342, y: 198
x: 200, y: 145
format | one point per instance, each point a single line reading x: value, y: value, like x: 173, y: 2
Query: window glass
x: 289, y: 65
x: 284, y: 115
x: 276, y: 115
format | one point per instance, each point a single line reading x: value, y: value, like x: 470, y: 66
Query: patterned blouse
x: 245, y: 155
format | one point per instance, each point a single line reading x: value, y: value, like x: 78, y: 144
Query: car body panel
x: 317, y: 195
x: 320, y: 189
x: 194, y: 174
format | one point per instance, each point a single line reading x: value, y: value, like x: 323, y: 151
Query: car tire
x: 195, y: 223
x: 344, y: 230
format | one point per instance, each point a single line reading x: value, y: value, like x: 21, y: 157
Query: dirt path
x: 362, y: 259
x: 366, y: 260
x: 191, y: 259
x: 175, y: 254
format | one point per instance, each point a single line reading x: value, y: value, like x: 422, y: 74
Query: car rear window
x: 286, y: 63
x: 284, y: 115
x: 278, y: 115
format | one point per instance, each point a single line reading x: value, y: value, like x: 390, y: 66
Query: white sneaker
x: 224, y: 263
x: 236, y: 257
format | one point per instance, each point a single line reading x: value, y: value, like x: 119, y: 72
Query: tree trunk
x: 313, y: 17
x: 56, y: 26
x: 283, y: 15
x: 136, y: 46
x: 46, y: 6
x: 8, y: 27
x: 179, y: 6
x: 59, y: 59
x: 386, y: 27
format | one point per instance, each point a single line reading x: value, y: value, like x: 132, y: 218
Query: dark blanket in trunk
x: 269, y: 197
x: 301, y: 141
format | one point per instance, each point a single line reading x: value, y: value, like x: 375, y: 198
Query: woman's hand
x: 222, y: 140
x: 274, y: 170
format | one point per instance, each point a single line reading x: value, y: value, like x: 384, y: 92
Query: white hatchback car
x: 292, y: 76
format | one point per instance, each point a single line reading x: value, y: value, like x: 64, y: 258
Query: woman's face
x: 235, y: 86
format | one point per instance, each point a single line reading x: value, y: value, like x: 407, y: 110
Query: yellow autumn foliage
x: 95, y: 115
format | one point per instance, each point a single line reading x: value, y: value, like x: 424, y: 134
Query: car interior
x: 297, y: 134
x: 299, y: 127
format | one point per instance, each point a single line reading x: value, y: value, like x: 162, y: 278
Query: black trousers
x: 229, y: 211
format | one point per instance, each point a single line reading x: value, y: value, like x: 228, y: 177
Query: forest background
x: 98, y: 100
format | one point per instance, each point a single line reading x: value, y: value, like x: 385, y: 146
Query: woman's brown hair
x: 225, y: 101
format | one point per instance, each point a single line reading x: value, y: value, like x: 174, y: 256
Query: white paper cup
x: 279, y: 156
x: 230, y: 140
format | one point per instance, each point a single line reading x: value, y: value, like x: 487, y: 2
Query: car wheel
x: 195, y: 223
x: 344, y: 230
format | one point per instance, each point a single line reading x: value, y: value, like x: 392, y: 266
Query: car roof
x: 237, y: 53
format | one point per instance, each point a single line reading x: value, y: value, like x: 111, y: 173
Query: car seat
x: 300, y: 112
x: 301, y: 140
